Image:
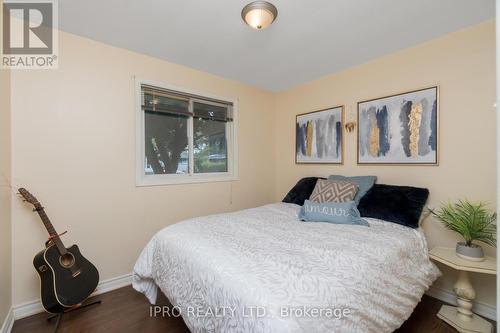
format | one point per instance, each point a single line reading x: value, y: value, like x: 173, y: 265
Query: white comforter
x: 262, y: 270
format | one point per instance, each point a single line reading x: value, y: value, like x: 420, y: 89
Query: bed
x: 262, y: 270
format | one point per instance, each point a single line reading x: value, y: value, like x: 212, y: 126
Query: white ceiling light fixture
x: 259, y: 14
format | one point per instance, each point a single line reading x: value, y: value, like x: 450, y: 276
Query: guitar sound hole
x: 67, y: 260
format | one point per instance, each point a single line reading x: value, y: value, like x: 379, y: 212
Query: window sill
x: 162, y: 180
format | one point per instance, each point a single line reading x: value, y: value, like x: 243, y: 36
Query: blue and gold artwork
x: 319, y: 136
x: 399, y: 129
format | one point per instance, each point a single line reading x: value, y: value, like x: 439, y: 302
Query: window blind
x: 212, y: 112
x: 156, y: 99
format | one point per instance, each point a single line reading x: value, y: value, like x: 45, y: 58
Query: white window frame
x: 168, y: 179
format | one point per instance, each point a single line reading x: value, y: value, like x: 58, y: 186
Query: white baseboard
x: 113, y: 284
x: 30, y: 308
x: 8, y: 322
x: 449, y: 297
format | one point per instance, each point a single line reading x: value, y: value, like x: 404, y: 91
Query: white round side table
x: 461, y: 316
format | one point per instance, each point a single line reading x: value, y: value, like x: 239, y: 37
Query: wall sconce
x: 350, y: 126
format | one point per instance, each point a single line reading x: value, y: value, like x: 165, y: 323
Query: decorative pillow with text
x: 331, y: 212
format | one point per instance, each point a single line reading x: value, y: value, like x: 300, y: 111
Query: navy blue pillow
x: 301, y: 191
x: 399, y: 204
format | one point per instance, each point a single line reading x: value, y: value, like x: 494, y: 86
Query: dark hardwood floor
x: 125, y: 310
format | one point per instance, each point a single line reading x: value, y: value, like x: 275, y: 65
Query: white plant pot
x: 472, y: 253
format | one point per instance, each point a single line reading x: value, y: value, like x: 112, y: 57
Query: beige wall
x: 498, y: 133
x: 74, y: 148
x: 463, y: 65
x: 5, y: 197
x: 5, y: 193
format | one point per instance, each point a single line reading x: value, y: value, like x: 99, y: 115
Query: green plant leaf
x: 471, y: 220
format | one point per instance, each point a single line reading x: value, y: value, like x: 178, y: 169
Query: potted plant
x: 473, y: 222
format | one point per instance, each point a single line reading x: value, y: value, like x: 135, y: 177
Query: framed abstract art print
x: 319, y: 136
x: 399, y: 129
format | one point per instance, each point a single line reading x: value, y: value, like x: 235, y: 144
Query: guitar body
x: 66, y: 280
x: 66, y: 277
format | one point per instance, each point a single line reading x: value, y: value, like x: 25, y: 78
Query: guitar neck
x: 46, y: 222
x: 51, y: 230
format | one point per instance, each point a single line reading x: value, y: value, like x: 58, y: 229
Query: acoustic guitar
x: 67, y: 278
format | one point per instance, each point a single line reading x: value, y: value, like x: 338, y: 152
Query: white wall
x: 74, y: 147
x: 463, y: 65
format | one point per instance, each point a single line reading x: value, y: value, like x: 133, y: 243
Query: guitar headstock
x: 29, y: 197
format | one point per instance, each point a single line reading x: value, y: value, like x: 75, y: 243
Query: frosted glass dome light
x: 259, y: 14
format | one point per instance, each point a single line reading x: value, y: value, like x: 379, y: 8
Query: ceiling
x: 309, y: 39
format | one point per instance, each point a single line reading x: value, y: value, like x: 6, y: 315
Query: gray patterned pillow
x: 333, y: 191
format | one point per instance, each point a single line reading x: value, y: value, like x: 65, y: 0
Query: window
x: 184, y: 137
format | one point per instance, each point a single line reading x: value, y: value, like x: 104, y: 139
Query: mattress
x: 263, y: 270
